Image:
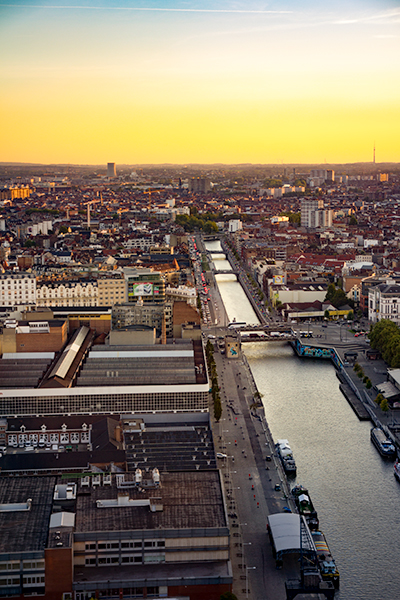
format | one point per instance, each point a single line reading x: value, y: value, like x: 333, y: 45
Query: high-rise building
x: 309, y: 212
x: 199, y: 184
x: 111, y: 170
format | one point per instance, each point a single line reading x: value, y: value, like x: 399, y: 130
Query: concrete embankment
x: 353, y: 400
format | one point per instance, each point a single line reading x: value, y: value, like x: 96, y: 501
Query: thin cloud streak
x: 151, y: 9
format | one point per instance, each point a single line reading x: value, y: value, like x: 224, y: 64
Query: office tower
x: 111, y: 170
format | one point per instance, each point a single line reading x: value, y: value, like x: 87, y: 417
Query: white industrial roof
x: 290, y: 533
x: 285, y: 529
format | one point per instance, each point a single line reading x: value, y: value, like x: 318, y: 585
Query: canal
x: 352, y: 487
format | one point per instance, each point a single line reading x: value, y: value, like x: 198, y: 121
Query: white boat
x: 285, y: 453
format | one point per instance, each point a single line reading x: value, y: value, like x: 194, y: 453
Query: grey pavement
x: 250, y: 486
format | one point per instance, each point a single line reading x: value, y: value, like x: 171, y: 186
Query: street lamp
x: 244, y: 544
x: 247, y: 577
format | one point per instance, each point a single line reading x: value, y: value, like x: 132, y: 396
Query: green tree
x: 352, y: 221
x: 210, y: 227
x: 228, y: 596
x: 217, y: 409
x: 294, y: 218
x: 385, y: 337
x: 330, y: 292
x: 29, y: 244
x: 384, y: 405
x: 336, y: 296
x: 380, y: 397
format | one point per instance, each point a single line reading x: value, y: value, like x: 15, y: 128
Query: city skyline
x: 211, y: 82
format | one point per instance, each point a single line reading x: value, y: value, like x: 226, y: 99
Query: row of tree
x: 212, y: 371
x: 385, y: 337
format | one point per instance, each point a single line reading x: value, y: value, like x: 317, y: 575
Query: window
x: 131, y: 544
x: 33, y: 580
x: 91, y: 546
x: 108, y: 546
x: 108, y: 560
x: 131, y: 559
x: 6, y: 581
x: 10, y: 566
x: 36, y: 564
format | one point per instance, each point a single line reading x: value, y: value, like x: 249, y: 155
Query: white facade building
x: 17, y: 289
x: 182, y: 294
x: 384, y: 302
x: 67, y: 293
x: 235, y: 225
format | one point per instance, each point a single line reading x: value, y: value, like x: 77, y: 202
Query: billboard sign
x: 142, y: 289
x: 278, y: 279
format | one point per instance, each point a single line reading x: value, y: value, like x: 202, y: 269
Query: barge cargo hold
x: 326, y: 564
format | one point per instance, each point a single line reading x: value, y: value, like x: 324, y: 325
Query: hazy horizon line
x: 172, y: 164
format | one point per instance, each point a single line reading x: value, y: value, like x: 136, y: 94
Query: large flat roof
x: 190, y: 500
x: 25, y: 531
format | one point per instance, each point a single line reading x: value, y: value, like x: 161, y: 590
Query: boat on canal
x: 305, y: 506
x: 396, y: 469
x: 285, y: 455
x: 383, y: 444
x: 326, y: 563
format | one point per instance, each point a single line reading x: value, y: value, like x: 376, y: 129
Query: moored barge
x: 326, y: 564
x: 382, y: 443
x: 285, y: 454
x: 305, y: 506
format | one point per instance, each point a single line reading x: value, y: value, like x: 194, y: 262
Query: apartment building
x: 313, y: 214
x: 111, y: 290
x: 384, y: 302
x: 67, y: 293
x: 17, y: 289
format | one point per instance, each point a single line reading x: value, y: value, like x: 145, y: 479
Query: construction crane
x: 150, y: 192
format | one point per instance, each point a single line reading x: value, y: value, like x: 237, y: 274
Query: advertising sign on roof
x: 142, y: 289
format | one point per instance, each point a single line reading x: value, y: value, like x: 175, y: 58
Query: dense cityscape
x: 199, y: 300
x: 129, y: 412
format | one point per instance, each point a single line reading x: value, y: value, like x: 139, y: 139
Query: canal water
x: 352, y: 487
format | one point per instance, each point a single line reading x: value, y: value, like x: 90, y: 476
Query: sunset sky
x: 204, y: 81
